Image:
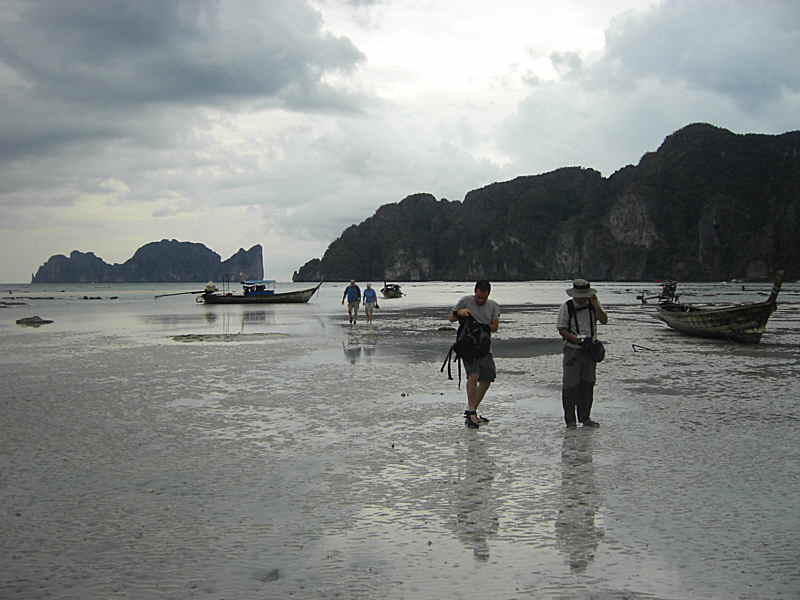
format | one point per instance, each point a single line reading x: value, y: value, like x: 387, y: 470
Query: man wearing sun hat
x: 577, y: 328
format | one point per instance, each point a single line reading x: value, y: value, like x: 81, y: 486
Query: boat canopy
x: 259, y: 282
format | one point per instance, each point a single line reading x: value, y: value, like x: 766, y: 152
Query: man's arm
x: 569, y: 336
x: 601, y: 314
x: 459, y: 313
x: 494, y: 324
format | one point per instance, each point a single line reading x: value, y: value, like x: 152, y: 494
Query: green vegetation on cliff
x: 707, y: 205
x: 164, y: 261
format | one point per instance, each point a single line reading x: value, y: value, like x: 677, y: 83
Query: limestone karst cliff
x: 707, y: 205
x: 164, y: 261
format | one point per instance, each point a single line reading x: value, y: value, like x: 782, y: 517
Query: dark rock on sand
x: 35, y: 321
x: 227, y: 337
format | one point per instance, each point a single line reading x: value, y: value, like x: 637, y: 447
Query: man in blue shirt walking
x: 353, y: 295
x: 370, y: 302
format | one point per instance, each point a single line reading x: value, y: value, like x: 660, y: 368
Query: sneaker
x: 590, y: 423
x: 572, y: 425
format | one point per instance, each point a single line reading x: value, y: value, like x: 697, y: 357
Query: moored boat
x: 391, y: 290
x: 745, y: 322
x: 260, y: 291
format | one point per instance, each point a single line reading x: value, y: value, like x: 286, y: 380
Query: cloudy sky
x: 281, y: 122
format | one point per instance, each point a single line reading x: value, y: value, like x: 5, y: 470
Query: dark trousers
x: 578, y: 400
x: 577, y: 390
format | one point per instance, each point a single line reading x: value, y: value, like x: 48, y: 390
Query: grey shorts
x: 483, y: 367
x: 578, y: 366
x: 353, y: 305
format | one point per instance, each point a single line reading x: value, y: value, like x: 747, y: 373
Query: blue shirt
x: 353, y: 293
x: 370, y: 296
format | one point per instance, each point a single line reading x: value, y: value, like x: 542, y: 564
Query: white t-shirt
x: 584, y: 324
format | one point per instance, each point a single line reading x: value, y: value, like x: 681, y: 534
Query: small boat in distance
x: 745, y: 322
x: 667, y: 293
x: 391, y: 290
x: 257, y: 291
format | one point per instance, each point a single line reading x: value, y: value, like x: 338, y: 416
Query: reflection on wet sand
x: 259, y: 316
x: 358, y: 346
x: 228, y: 320
x: 231, y: 327
x: 356, y: 352
x: 169, y: 320
x: 351, y: 352
x: 475, y: 502
x: 576, y: 531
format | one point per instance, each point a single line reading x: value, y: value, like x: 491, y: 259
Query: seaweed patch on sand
x: 227, y: 337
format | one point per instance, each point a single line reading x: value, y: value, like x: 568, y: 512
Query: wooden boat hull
x: 741, y: 323
x: 297, y: 297
x: 391, y: 290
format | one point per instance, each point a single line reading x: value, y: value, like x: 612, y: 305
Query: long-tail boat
x: 261, y: 291
x: 745, y: 322
x: 391, y: 290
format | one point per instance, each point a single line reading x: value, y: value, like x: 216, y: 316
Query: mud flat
x: 333, y: 463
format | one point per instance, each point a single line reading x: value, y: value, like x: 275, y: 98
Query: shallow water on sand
x: 312, y: 459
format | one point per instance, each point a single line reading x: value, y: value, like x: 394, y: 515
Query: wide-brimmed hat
x: 581, y: 289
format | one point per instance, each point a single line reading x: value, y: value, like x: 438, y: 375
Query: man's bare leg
x: 482, y: 388
x: 473, y: 397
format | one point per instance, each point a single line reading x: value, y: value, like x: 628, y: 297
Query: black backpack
x: 473, y: 340
x: 596, y: 350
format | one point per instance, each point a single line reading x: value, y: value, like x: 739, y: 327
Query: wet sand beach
x: 320, y: 460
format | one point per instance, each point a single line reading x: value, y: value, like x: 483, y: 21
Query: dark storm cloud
x: 736, y: 48
x: 727, y: 62
x: 62, y: 60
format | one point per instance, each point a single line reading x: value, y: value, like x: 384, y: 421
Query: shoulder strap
x: 572, y: 315
x: 592, y: 317
x: 447, y: 362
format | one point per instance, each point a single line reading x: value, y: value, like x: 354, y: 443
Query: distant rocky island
x: 164, y: 261
x: 708, y: 205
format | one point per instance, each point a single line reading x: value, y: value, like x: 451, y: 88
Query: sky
x: 282, y: 122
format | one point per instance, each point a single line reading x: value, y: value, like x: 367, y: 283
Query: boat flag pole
x: 177, y: 294
x: 210, y: 289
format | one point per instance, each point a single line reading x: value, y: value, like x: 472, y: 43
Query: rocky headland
x: 707, y: 205
x: 164, y: 261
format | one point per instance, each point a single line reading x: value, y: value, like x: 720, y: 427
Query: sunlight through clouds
x: 282, y: 122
